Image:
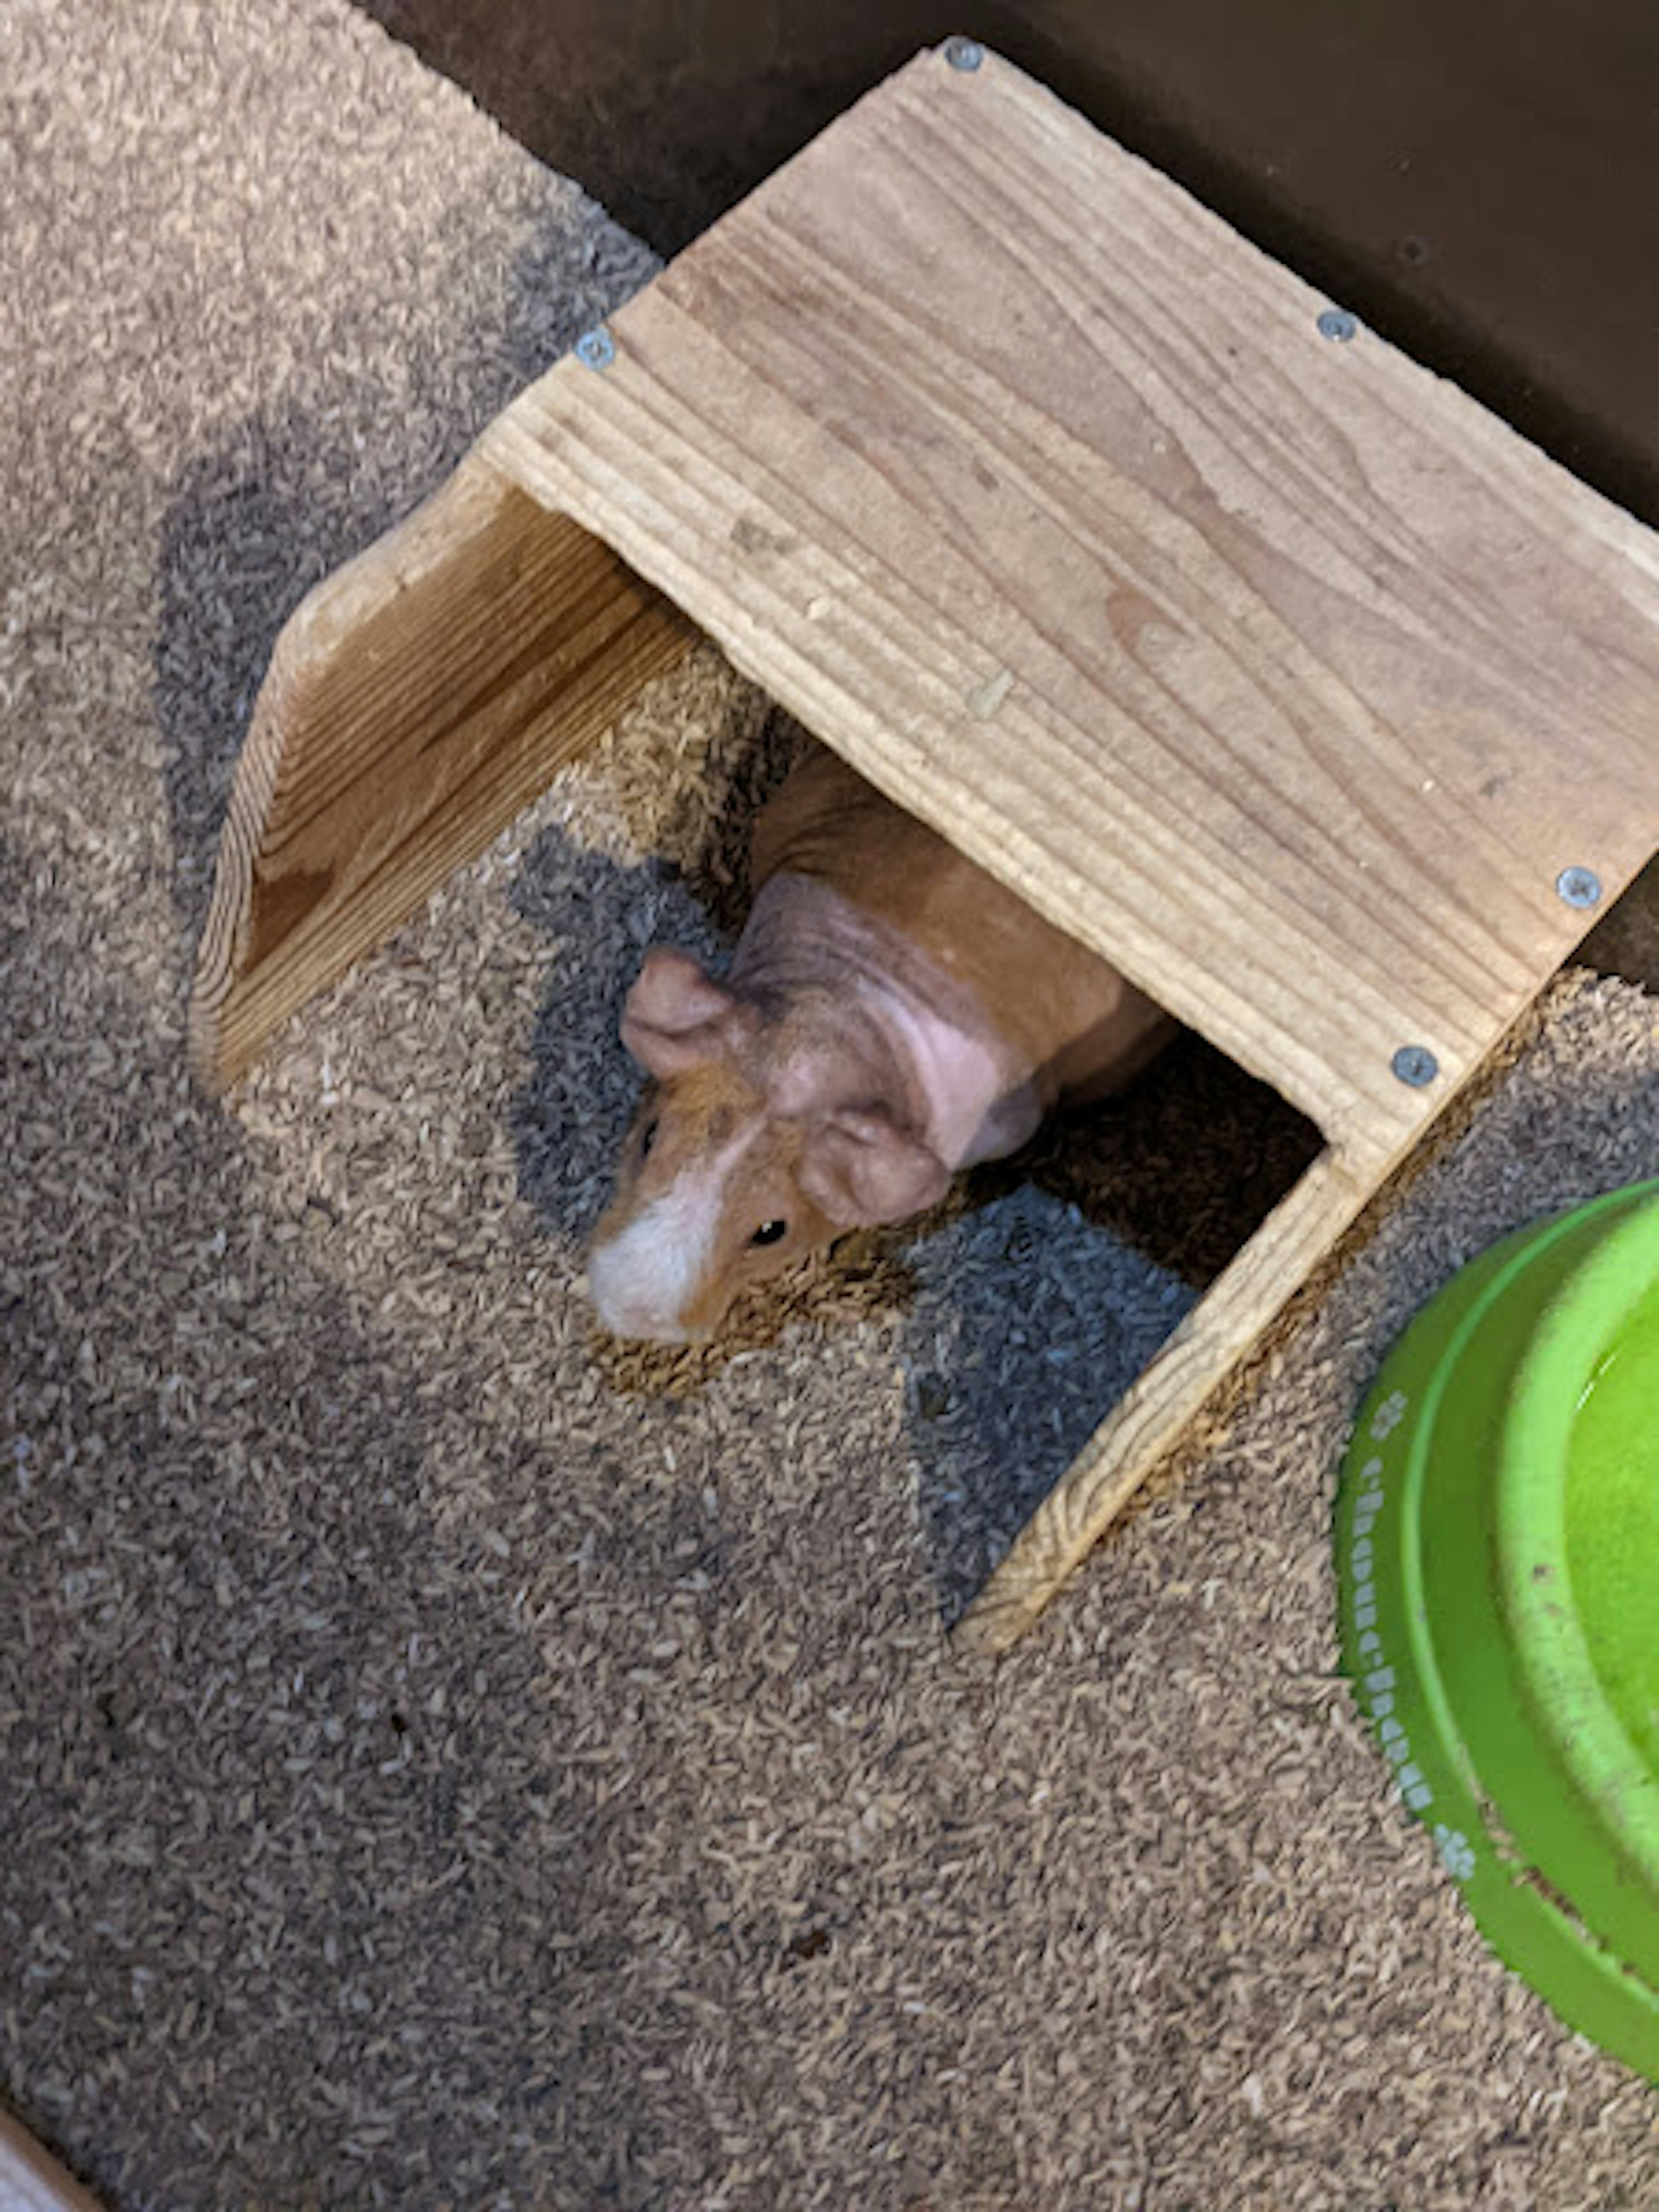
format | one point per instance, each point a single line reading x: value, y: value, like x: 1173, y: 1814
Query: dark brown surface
x: 1477, y: 180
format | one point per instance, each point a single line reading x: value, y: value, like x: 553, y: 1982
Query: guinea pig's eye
x: 647, y: 1138
x: 770, y: 1232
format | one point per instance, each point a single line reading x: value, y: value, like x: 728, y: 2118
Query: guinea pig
x: 892, y: 1014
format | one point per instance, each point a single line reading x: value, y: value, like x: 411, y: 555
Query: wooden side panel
x: 33, y: 2181
x: 1261, y: 660
x: 416, y: 703
x: 1147, y: 1422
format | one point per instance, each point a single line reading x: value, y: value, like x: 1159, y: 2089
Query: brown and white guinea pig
x: 892, y: 1014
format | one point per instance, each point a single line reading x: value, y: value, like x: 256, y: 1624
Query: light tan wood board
x: 1256, y: 657
x: 1149, y: 1418
x: 1264, y: 662
x: 33, y: 2181
x: 416, y: 702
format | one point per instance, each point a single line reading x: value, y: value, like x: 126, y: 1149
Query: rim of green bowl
x: 1433, y: 1416
x: 1547, y: 1637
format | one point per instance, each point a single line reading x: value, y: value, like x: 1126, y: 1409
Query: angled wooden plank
x: 1246, y: 651
x: 1264, y: 662
x: 1147, y: 1422
x: 416, y: 703
x: 31, y: 2180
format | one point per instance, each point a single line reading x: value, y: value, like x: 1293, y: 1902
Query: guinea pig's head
x: 747, y: 1153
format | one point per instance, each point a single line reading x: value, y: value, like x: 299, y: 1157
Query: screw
x: 964, y: 53
x: 1415, y: 1065
x: 597, y: 348
x: 1580, y: 887
x: 1337, y: 323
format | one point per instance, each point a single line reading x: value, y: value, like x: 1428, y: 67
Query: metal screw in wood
x: 1415, y: 1065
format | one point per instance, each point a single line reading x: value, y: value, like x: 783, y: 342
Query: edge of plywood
x: 32, y: 2180
x: 416, y: 703
x: 1139, y: 1433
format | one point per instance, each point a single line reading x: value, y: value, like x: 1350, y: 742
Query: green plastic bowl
x: 1498, y: 1560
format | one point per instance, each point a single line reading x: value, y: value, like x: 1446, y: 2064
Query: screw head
x: 964, y: 53
x: 1580, y: 887
x: 1337, y: 323
x: 1415, y: 1065
x: 597, y: 348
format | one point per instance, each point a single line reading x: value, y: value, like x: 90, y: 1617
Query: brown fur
x: 694, y: 1117
x: 892, y: 1014
x: 1066, y: 1015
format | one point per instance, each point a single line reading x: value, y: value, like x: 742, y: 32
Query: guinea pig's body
x: 892, y: 1014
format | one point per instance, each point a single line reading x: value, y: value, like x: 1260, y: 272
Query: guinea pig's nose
x: 624, y: 1311
x: 638, y: 1323
x: 641, y: 1327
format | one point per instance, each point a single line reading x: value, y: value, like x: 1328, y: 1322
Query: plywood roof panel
x: 1264, y: 660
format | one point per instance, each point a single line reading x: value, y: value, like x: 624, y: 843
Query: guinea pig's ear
x: 860, y: 1168
x: 675, y: 1017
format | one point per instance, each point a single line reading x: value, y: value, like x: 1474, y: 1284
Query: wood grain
x: 1455, y: 159
x: 1269, y: 665
x: 416, y: 703
x: 1148, y: 1420
x: 1261, y: 660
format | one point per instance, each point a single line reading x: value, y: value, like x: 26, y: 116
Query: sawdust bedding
x: 447, y: 1759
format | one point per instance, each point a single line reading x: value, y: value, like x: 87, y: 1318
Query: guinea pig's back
x: 1061, y: 1005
